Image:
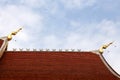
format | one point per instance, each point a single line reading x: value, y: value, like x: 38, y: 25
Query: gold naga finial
x: 13, y: 33
x: 101, y: 49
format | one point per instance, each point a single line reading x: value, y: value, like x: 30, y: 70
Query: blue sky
x: 77, y: 24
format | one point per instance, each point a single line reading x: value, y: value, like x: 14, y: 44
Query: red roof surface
x: 48, y: 65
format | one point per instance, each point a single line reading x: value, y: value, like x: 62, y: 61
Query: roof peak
x: 13, y: 33
x: 105, y: 46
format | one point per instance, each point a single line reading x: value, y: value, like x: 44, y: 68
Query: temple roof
x: 54, y: 65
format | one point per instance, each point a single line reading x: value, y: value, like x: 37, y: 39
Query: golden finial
x: 13, y: 33
x: 101, y: 49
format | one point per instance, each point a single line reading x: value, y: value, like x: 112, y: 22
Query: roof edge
x: 106, y: 63
x: 108, y: 66
x: 4, y: 46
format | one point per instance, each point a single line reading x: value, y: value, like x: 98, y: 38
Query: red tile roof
x: 48, y: 65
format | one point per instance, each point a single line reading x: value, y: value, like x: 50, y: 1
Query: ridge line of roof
x: 47, y: 49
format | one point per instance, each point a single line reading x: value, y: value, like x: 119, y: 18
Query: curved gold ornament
x: 101, y: 49
x: 13, y: 33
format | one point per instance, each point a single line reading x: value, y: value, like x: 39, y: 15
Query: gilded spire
x: 101, y: 49
x: 13, y: 33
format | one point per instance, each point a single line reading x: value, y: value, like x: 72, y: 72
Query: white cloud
x: 75, y: 23
x: 108, y: 6
x: 17, y: 16
x: 54, y: 8
x: 51, y: 41
x: 108, y: 27
x: 21, y: 15
x: 33, y: 3
x: 12, y: 17
x: 78, y: 41
x: 79, y: 4
x: 87, y: 37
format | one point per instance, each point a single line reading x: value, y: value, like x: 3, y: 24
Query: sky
x: 63, y: 24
